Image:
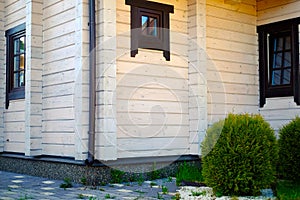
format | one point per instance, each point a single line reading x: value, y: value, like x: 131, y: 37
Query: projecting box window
x: 150, y: 26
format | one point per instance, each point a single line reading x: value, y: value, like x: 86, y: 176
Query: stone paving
x: 22, y: 187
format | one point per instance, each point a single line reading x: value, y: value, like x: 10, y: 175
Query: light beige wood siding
x: 14, y: 116
x: 152, y: 94
x: 269, y: 11
x: 2, y: 77
x: 15, y: 13
x: 58, y: 77
x: 232, y: 58
x: 278, y: 111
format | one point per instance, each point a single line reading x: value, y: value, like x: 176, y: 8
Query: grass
x: 67, y: 183
x: 189, y: 172
x: 288, y: 190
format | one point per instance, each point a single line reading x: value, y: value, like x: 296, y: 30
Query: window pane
x: 287, y: 76
x: 278, y: 44
x: 16, y: 63
x: 16, y: 46
x: 144, y: 24
x: 276, y: 76
x: 22, y: 44
x: 277, y: 60
x: 22, y: 62
x: 16, y: 80
x: 287, y: 59
x: 288, y: 43
x: 21, y: 79
x: 153, y: 26
x: 149, y: 26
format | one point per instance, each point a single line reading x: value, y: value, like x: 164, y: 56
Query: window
x: 150, y: 26
x: 15, y: 63
x: 279, y: 60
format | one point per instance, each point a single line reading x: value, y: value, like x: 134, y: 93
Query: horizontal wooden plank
x: 59, y: 114
x: 58, y: 138
x: 149, y: 94
x: 59, y: 126
x: 150, y: 119
x: 231, y: 35
x: 58, y: 150
x: 269, y: 4
x: 14, y: 126
x: 14, y: 137
x: 231, y: 15
x: 227, y: 45
x: 237, y: 99
x: 246, y: 8
x: 14, y: 147
x: 227, y: 77
x: 273, y: 11
x: 17, y: 116
x: 153, y: 131
x: 58, y: 102
x: 232, y: 88
x: 60, y: 30
x: 161, y: 152
x: 60, y: 18
x: 140, y: 144
x: 152, y: 57
x: 151, y: 82
x: 151, y: 106
x: 59, y: 90
x: 58, y: 78
x: 151, y: 70
x: 232, y: 67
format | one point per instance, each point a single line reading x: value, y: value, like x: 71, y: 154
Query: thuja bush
x: 289, y: 151
x: 243, y: 158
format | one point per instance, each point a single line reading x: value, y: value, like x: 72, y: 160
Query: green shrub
x: 190, y: 172
x: 243, y: 159
x: 289, y: 151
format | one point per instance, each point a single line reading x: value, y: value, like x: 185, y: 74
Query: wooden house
x: 112, y: 80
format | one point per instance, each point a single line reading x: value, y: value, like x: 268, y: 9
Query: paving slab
x: 23, y: 187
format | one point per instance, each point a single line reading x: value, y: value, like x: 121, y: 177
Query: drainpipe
x: 92, y: 83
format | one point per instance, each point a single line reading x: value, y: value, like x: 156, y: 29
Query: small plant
x: 177, y: 196
x: 102, y: 190
x: 117, y: 176
x: 164, y: 189
x: 140, y: 180
x: 288, y: 190
x: 83, y: 181
x: 139, y: 191
x: 243, y: 159
x: 25, y: 197
x: 67, y: 184
x: 170, y: 179
x: 196, y: 194
x: 152, y: 184
x: 159, y: 196
x: 92, y: 198
x: 108, y: 196
x: 189, y: 172
x: 80, y: 196
x: 154, y: 174
x: 289, y: 151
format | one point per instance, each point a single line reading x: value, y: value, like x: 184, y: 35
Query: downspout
x: 92, y: 83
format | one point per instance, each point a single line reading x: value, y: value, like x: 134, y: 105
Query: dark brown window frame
x: 264, y: 33
x: 140, y: 8
x: 13, y: 93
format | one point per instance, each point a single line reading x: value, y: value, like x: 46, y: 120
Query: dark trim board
x: 66, y: 167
